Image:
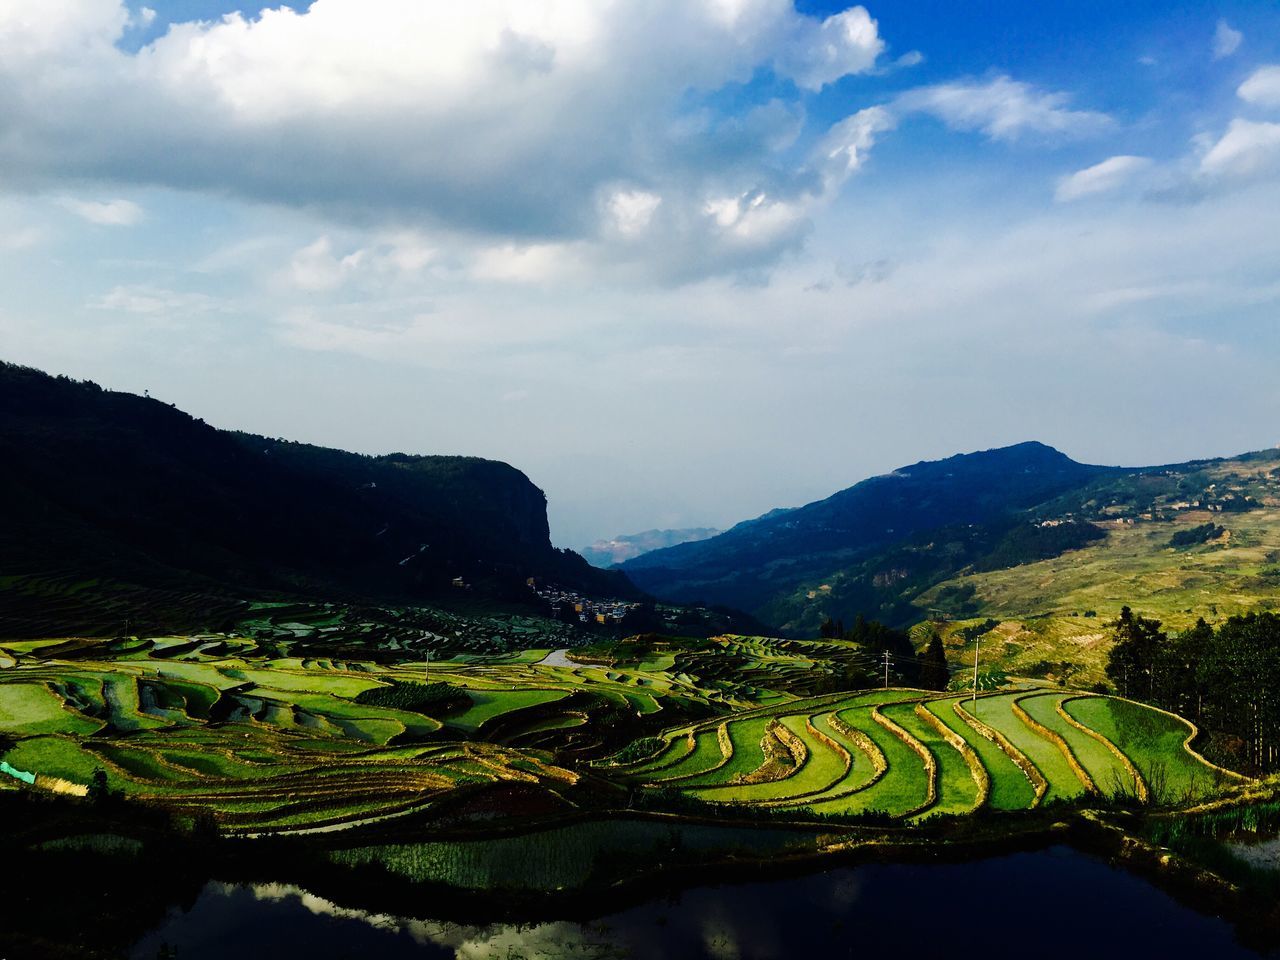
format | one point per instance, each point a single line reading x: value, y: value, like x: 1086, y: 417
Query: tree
x: 1239, y: 677
x: 1176, y: 684
x: 876, y: 639
x: 642, y: 618
x: 1132, y: 663
x: 99, y: 791
x: 934, y: 674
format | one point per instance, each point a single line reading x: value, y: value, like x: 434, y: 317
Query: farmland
x: 216, y: 728
x: 908, y: 755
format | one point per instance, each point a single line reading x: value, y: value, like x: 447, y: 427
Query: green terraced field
x: 902, y: 790
x: 1010, y: 788
x: 928, y: 772
x: 957, y: 790
x: 210, y: 725
x: 1154, y: 742
x: 998, y: 713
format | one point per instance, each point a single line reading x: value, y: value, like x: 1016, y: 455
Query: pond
x: 1046, y: 904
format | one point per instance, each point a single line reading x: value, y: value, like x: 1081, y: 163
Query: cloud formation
x: 1262, y: 88
x: 1103, y: 177
x: 1003, y: 109
x: 1226, y: 40
x: 104, y: 213
x: 533, y: 121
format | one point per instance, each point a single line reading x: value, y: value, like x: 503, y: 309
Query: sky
x: 681, y: 261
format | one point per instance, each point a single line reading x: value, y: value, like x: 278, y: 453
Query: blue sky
x: 682, y: 261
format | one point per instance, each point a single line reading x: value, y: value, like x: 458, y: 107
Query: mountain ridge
x: 876, y: 512
x: 108, y: 485
x: 619, y: 549
x: 940, y: 523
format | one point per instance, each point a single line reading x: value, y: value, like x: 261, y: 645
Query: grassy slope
x: 1041, y: 606
x: 1104, y: 768
x: 1154, y: 742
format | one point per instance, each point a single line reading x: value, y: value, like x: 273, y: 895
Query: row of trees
x: 874, y: 640
x: 1226, y: 679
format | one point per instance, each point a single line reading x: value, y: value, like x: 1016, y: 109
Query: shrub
x: 1194, y: 536
x: 427, y: 698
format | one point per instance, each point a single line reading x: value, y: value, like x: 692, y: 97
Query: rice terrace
x: 207, y: 727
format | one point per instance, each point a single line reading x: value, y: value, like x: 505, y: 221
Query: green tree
x: 99, y: 790
x: 1239, y: 677
x: 1132, y: 663
x: 934, y: 674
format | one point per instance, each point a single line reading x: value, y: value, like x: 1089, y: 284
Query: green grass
x: 488, y: 704
x: 821, y: 771
x: 59, y: 756
x: 32, y: 708
x: 314, y: 681
x: 1104, y: 767
x: 1010, y: 788
x: 902, y: 789
x: 745, y: 735
x: 676, y: 748
x: 996, y: 712
x: 1153, y: 741
x: 957, y: 791
x: 706, y: 754
x: 861, y: 771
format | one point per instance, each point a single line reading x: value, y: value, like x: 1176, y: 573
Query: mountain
x: 607, y: 553
x: 975, y: 498
x: 104, y: 486
x: 1021, y: 546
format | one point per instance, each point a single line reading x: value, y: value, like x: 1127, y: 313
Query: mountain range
x: 609, y: 553
x: 108, y: 496
x: 100, y: 486
x: 887, y: 547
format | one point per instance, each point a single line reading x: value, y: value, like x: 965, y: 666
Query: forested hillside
x: 102, y: 487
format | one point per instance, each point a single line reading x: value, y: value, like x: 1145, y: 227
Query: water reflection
x: 1055, y: 903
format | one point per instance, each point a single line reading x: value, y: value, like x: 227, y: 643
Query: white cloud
x: 315, y: 268
x: 532, y: 263
x: 509, y: 123
x: 20, y: 238
x: 1262, y: 88
x: 1226, y: 40
x: 843, y: 150
x: 1103, y: 177
x: 820, y: 54
x: 104, y: 213
x: 1247, y: 149
x: 148, y: 301
x: 1003, y: 109
x: 631, y: 210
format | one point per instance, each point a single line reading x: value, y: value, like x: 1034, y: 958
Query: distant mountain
x: 607, y: 553
x: 101, y: 486
x: 975, y: 499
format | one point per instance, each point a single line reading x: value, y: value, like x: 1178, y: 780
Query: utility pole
x: 886, y: 669
x: 976, y: 644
